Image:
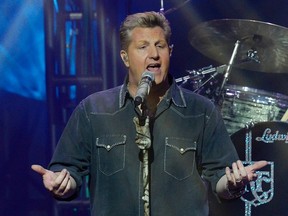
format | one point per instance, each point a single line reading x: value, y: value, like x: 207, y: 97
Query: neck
x: 156, y: 94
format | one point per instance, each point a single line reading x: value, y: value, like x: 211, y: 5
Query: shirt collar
x: 124, y: 93
x: 175, y: 94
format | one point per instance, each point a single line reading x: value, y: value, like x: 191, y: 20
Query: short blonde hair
x: 144, y: 20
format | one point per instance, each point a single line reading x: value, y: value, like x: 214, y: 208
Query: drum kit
x: 256, y: 119
x: 244, y: 44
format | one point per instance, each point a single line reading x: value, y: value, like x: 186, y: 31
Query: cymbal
x: 268, y: 42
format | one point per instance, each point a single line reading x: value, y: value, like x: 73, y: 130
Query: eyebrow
x: 147, y: 42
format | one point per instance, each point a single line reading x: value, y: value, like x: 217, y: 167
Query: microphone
x: 144, y: 87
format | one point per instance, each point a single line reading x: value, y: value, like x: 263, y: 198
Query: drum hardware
x: 216, y: 94
x: 249, y: 125
x: 203, y: 81
x: 211, y: 87
x: 199, y: 74
x: 252, y: 55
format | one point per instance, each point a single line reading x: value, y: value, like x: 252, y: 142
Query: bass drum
x: 243, y: 105
x: 268, y: 194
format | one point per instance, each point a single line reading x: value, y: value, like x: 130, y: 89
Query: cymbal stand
x: 162, y: 11
x: 162, y: 7
x: 229, y: 66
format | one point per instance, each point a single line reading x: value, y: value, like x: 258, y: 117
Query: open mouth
x: 153, y: 67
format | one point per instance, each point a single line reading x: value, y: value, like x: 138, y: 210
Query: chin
x: 161, y: 81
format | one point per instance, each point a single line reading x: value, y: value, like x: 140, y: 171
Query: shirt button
x: 181, y: 150
x: 108, y: 147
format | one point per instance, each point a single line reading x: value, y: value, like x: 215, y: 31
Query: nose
x: 153, y: 52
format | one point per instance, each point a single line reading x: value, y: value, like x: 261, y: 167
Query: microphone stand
x: 143, y: 140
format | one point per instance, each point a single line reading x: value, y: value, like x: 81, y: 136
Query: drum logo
x: 260, y: 191
x: 269, y: 137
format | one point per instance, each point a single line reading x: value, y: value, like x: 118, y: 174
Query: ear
x: 171, y: 49
x: 124, y: 57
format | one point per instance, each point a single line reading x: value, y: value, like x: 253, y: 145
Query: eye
x: 142, y: 46
x: 160, y: 45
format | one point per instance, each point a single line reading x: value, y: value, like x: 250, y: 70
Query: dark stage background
x: 25, y: 101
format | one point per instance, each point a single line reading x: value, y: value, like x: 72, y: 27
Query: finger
x: 64, y: 182
x: 68, y: 185
x: 55, y: 184
x: 39, y: 169
x: 61, y: 177
x: 236, y: 172
x: 252, y: 176
x: 228, y: 174
x: 257, y: 165
x: 231, y: 182
x: 254, y: 167
x: 230, y: 177
x: 242, y: 170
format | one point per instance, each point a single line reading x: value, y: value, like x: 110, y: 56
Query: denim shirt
x: 190, y: 147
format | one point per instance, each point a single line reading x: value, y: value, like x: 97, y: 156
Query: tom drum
x: 243, y: 105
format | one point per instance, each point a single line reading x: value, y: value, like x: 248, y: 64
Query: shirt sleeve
x: 73, y: 149
x: 218, y: 151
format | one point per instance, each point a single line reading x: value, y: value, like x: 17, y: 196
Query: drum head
x: 267, y: 195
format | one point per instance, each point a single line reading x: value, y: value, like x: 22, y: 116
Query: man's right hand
x: 60, y: 184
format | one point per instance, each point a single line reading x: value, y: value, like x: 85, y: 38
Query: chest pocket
x: 179, y: 159
x: 111, y: 153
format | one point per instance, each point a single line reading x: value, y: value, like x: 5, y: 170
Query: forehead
x: 147, y: 34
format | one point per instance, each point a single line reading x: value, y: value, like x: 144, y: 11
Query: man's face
x: 148, y: 50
